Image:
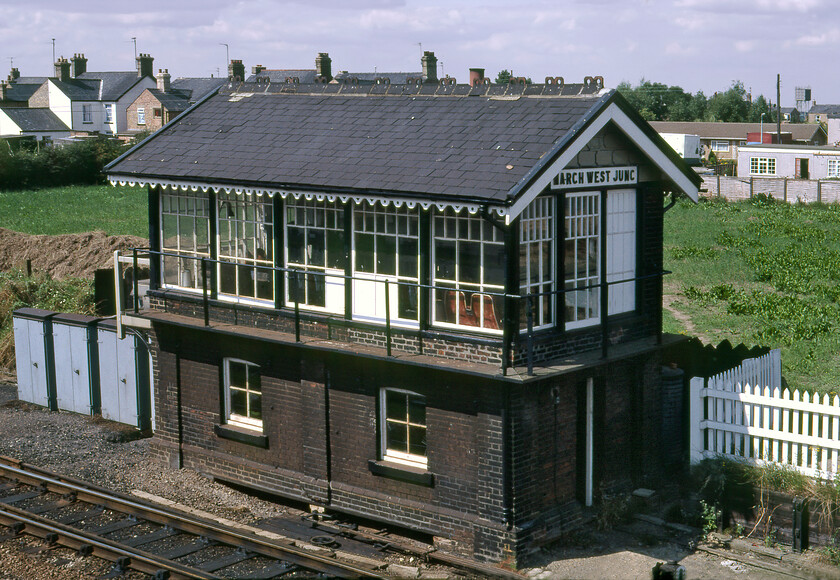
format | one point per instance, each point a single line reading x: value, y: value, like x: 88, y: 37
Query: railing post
x: 506, y: 330
x: 530, y: 319
x: 134, y: 282
x: 387, y: 318
x: 204, y: 298
x: 297, y: 320
x: 697, y: 436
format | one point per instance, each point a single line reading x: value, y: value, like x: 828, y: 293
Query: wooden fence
x: 745, y: 414
x: 783, y: 188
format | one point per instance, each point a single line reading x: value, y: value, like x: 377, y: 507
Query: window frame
x: 720, y: 146
x: 452, y: 222
x: 587, y: 231
x: 109, y: 113
x: 87, y: 113
x: 331, y: 215
x: 194, y: 213
x: 259, y: 270
x: 234, y: 419
x: 141, y: 116
x: 538, y: 230
x: 833, y: 169
x: 399, y: 457
x: 762, y: 166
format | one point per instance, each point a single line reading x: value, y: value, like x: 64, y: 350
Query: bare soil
x: 67, y: 255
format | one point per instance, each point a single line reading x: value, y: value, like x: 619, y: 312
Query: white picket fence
x: 744, y: 414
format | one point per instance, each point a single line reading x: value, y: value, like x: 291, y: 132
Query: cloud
x: 751, y: 6
x: 744, y: 45
x: 829, y: 37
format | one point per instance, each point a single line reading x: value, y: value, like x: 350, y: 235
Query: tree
x: 731, y: 106
x: 503, y: 77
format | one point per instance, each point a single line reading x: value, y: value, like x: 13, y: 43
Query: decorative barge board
x: 432, y: 305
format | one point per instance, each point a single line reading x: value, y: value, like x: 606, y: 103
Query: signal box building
x: 432, y: 305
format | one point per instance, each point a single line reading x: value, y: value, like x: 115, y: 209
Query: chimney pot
x: 163, y: 80
x: 476, y: 75
x: 257, y: 69
x: 145, y: 66
x: 62, y: 69
x: 429, y: 64
x: 79, y: 65
x: 323, y: 65
x: 236, y: 70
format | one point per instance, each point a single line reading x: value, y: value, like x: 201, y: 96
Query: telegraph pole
x: 778, y: 108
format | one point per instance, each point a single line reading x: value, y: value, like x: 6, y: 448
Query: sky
x: 696, y: 44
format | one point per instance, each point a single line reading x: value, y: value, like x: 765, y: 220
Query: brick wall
x: 149, y: 103
x: 40, y: 98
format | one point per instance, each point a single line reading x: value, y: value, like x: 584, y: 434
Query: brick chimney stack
x: 323, y: 65
x: 429, y: 63
x: 236, y: 70
x: 163, y: 80
x: 14, y: 75
x: 3, y: 88
x: 255, y: 70
x: 476, y: 75
x: 62, y: 69
x: 145, y: 66
x: 79, y: 65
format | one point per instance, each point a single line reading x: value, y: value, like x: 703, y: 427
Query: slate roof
x: 304, y: 76
x: 195, y: 88
x: 833, y: 111
x: 410, y: 141
x: 35, y: 120
x: 396, y: 78
x: 98, y: 86
x: 20, y: 92
x: 799, y: 131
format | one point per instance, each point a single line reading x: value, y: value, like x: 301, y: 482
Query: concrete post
x: 697, y: 434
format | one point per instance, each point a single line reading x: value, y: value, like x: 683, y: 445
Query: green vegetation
x: 659, y: 102
x: 30, y: 166
x: 75, y: 209
x: 761, y: 272
x: 37, y: 291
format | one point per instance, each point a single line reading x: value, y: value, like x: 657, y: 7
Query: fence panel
x: 744, y: 413
x: 782, y: 188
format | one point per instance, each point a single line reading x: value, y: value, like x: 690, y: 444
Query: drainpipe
x: 507, y: 479
x: 327, y: 444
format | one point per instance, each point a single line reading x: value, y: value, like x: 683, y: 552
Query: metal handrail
x: 529, y: 300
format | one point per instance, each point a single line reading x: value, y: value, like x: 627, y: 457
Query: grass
x: 76, y: 209
x: 760, y: 272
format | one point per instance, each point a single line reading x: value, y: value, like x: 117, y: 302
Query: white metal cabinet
x: 33, y: 356
x: 123, y: 377
x: 76, y: 372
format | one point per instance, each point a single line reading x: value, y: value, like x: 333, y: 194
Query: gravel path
x: 107, y: 454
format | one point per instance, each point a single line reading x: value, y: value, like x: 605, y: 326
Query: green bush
x: 78, y: 163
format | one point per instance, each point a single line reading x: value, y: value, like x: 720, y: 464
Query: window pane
x: 256, y: 406
x: 445, y: 259
x: 386, y: 255
x: 417, y: 439
x: 238, y: 402
x: 237, y: 374
x: 185, y: 226
x: 364, y: 253
x: 335, y: 249
x: 316, y: 295
x: 417, y: 409
x: 316, y: 247
x: 395, y: 405
x: 494, y: 264
x: 407, y: 302
x: 470, y: 262
x: 227, y: 278
x: 396, y: 435
x: 170, y: 232
x: 254, y: 382
x: 295, y: 243
x: 408, y: 257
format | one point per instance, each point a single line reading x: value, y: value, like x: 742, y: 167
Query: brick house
x: 93, y: 102
x: 156, y: 107
x: 433, y: 305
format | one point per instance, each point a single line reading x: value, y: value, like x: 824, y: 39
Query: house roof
x: 832, y: 111
x: 413, y: 141
x: 20, y: 92
x: 35, y: 120
x: 185, y: 92
x: 304, y: 76
x: 397, y: 78
x: 98, y: 86
x: 798, y: 131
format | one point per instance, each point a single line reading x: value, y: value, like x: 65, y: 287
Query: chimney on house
x: 429, y: 63
x: 14, y: 75
x: 476, y: 76
x: 323, y: 65
x: 236, y: 70
x: 79, y: 65
x: 62, y: 69
x: 3, y: 88
x: 145, y: 66
x: 163, y: 80
x: 255, y: 70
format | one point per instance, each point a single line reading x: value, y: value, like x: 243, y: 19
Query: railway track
x: 138, y: 535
